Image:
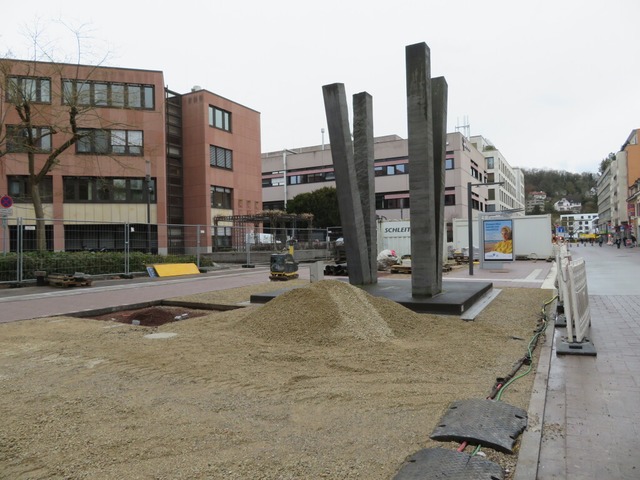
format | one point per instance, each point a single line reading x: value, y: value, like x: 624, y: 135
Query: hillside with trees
x: 559, y: 184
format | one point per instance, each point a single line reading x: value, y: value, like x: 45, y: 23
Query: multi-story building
x: 536, y: 199
x: 309, y: 168
x: 564, y: 205
x: 617, y: 187
x: 510, y: 195
x: 581, y: 223
x: 142, y: 156
x: 631, y: 148
x: 603, y: 186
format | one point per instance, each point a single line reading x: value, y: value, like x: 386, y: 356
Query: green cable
x: 530, y: 353
x: 529, y: 348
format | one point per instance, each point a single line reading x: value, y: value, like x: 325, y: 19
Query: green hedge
x: 89, y: 263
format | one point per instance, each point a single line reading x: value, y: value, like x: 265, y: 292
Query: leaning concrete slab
x: 364, y: 163
x: 349, y: 202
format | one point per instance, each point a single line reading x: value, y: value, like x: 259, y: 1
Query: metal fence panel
x: 113, y: 248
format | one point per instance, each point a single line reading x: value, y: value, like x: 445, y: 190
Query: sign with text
x: 498, y: 240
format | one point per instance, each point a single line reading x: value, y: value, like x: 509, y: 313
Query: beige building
x: 309, y: 168
x: 618, y: 199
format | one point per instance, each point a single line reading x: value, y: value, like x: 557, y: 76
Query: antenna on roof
x: 464, y: 129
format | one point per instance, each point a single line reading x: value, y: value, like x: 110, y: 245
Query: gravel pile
x: 323, y: 313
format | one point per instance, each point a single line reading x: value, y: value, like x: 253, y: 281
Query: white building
x: 582, y: 223
x: 564, y: 205
x: 510, y: 195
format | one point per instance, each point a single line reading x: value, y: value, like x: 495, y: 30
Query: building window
x: 388, y: 170
x: 20, y: 140
x: 30, y: 89
x: 219, y: 118
x: 448, y: 164
x: 104, y: 94
x: 450, y: 199
x: 220, y: 157
x: 383, y: 203
x: 222, y: 237
x: 221, y: 197
x: 108, y: 190
x: 21, y: 193
x: 105, y: 142
x: 490, y: 163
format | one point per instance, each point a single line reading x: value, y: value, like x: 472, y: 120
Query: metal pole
x: 148, y: 181
x: 470, y: 227
x: 284, y: 175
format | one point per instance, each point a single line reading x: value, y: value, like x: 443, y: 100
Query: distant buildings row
x: 160, y: 160
x: 619, y: 188
x: 475, y: 160
x: 618, y: 193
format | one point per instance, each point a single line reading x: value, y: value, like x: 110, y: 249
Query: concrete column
x: 439, y: 94
x: 364, y: 160
x: 425, y: 281
x: 349, y: 202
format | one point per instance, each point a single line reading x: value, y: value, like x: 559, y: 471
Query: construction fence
x: 124, y: 249
x: 573, y: 295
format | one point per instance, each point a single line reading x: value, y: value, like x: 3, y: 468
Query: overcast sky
x: 551, y: 83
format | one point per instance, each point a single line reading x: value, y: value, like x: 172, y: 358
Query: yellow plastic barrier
x: 175, y: 269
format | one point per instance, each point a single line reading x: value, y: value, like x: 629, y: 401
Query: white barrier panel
x: 562, y: 258
x: 579, y: 313
x: 574, y: 295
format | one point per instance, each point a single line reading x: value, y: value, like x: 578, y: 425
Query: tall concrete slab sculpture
x: 439, y: 97
x: 426, y: 179
x: 348, y: 190
x: 364, y: 163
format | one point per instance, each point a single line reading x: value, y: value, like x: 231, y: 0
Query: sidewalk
x: 589, y: 407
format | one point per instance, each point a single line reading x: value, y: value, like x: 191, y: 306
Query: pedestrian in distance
x: 600, y: 241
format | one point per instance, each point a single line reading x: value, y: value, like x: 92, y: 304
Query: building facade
x: 139, y: 155
x: 580, y: 224
x: 310, y: 168
x: 536, y: 199
x: 631, y: 148
x: 510, y: 195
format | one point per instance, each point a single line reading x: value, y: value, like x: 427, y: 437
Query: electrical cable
x: 502, y: 385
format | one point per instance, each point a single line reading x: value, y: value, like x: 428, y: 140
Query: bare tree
x: 48, y: 114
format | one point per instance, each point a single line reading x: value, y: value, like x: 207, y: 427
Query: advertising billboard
x: 498, y: 240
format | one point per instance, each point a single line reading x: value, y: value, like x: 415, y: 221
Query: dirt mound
x: 326, y: 312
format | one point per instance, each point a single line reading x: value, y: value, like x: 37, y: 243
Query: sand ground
x: 322, y: 382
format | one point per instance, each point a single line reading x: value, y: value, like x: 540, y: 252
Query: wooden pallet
x: 64, y: 281
x: 400, y: 269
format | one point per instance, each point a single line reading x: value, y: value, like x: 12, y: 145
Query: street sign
x: 6, y: 201
x: 6, y: 212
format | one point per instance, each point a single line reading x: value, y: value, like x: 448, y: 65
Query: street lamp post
x: 470, y: 217
x: 284, y: 173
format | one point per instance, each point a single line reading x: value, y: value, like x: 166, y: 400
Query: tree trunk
x: 41, y: 235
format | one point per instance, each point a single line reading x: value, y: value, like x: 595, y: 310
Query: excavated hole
x: 152, y: 316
